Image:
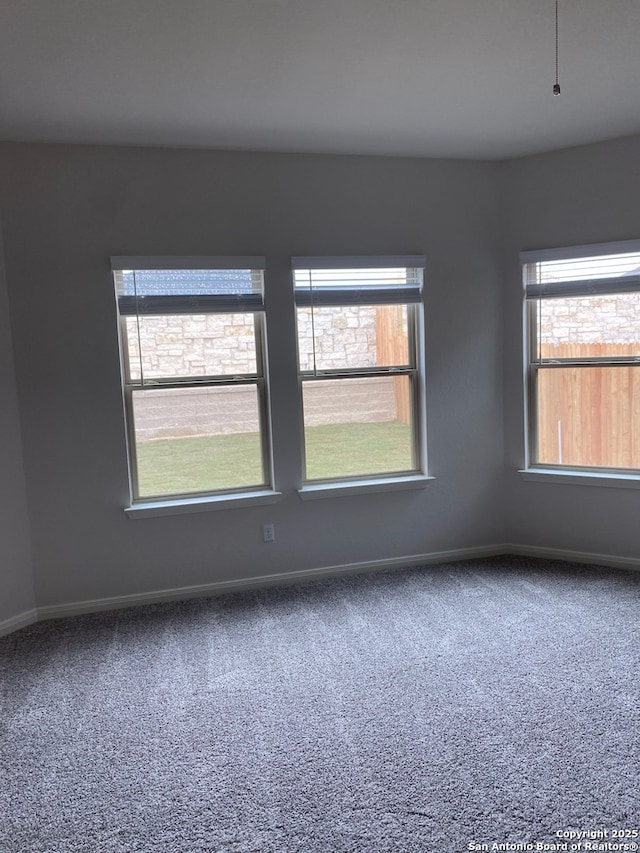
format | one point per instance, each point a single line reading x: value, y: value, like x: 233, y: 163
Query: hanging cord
x: 138, y: 332
x: 313, y: 323
x: 556, y: 87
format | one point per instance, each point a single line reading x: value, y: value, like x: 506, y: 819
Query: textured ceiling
x: 437, y: 78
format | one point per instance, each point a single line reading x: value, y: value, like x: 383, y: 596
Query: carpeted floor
x: 488, y: 701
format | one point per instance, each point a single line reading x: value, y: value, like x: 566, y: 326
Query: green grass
x: 179, y: 465
x: 171, y: 466
x: 349, y: 450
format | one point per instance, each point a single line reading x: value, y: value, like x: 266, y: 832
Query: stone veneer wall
x: 181, y: 412
x: 223, y: 344
x: 344, y: 337
x: 579, y: 321
x: 192, y: 345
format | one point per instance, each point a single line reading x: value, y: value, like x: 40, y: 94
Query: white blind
x: 189, y: 285
x: 369, y: 280
x: 582, y: 270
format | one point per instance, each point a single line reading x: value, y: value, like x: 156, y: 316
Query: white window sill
x: 581, y: 478
x: 318, y: 491
x: 208, y: 503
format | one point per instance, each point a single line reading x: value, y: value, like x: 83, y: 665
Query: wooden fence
x: 391, y: 348
x: 589, y: 416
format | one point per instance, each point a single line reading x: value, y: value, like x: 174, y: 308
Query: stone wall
x: 191, y: 345
x: 224, y: 344
x: 180, y: 412
x: 580, y: 321
x: 344, y: 337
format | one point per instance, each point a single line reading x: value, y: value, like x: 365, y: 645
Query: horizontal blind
x: 368, y: 280
x: 191, y: 285
x: 582, y: 271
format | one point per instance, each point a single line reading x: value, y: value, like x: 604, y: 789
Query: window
x: 192, y: 342
x: 359, y: 329
x: 583, y: 306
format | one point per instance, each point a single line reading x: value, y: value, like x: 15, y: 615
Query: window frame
x: 534, y: 293
x: 263, y: 491
x: 414, y: 370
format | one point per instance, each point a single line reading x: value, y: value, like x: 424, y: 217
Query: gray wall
x: 583, y: 195
x: 16, y: 581
x: 66, y: 209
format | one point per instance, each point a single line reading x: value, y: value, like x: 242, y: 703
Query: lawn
x: 205, y: 463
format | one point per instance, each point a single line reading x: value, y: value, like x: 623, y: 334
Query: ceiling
x: 435, y: 78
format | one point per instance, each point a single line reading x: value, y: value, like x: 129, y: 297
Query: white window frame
x: 410, y: 295
x: 132, y: 305
x: 537, y: 289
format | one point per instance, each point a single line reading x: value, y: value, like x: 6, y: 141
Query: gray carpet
x: 488, y: 701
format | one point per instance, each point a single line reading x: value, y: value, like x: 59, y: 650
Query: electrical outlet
x: 268, y: 532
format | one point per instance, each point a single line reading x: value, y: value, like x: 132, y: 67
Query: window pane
x: 589, y: 326
x: 357, y: 427
x: 354, y: 336
x: 189, y: 345
x: 197, y: 439
x: 589, y: 416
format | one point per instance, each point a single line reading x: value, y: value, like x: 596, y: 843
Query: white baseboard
x: 56, y: 611
x: 608, y: 560
x: 74, y: 608
x: 14, y: 623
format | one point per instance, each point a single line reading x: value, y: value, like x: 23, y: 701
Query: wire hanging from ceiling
x: 556, y: 87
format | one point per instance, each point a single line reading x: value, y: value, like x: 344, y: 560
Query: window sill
x: 363, y: 487
x: 182, y: 506
x: 581, y: 478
